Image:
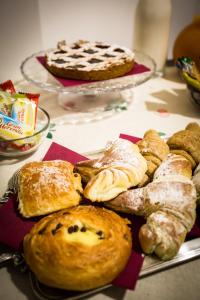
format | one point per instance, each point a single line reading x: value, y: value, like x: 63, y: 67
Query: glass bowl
x: 194, y: 95
x: 27, y: 144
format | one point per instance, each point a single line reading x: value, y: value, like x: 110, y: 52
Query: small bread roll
x: 47, y: 186
x: 79, y: 248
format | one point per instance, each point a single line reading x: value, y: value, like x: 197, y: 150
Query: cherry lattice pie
x: 86, y: 60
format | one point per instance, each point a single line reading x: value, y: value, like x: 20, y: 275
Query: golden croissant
x: 168, y: 203
x: 187, y: 143
x: 121, y: 167
x: 155, y: 150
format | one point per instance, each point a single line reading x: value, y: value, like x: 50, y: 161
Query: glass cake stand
x: 89, y: 101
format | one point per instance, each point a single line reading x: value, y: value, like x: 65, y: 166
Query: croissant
x: 168, y: 203
x: 196, y: 181
x: 187, y: 143
x: 121, y: 167
x: 154, y: 149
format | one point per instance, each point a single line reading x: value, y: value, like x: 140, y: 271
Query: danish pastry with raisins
x: 79, y: 248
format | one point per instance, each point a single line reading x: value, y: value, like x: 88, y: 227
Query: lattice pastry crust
x: 89, y: 60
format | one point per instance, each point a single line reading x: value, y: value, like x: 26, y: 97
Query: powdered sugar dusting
x: 120, y: 152
x: 49, y: 175
x: 42, y: 175
x: 170, y: 166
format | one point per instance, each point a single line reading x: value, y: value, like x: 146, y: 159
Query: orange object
x: 187, y: 42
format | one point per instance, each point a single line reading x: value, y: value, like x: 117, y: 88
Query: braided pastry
x: 121, y: 167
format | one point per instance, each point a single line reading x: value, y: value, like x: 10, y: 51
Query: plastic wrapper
x: 6, y: 102
x: 18, y: 112
x: 7, y: 86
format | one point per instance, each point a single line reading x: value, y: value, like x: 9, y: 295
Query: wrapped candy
x: 24, y: 111
x: 6, y: 102
x: 7, y: 86
x: 18, y: 113
x: 9, y: 128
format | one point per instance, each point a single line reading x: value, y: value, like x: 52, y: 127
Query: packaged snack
x: 24, y: 111
x: 9, y: 128
x: 7, y: 86
x: 18, y: 112
x: 6, y: 102
x: 32, y: 97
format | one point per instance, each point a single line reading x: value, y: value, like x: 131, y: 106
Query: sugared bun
x: 79, y: 248
x: 47, y: 186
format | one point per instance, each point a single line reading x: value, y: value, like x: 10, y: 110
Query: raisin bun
x: 79, y: 248
x: 85, y: 60
x: 47, y: 186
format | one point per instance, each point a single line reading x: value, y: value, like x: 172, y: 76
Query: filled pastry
x: 79, y: 248
x: 121, y: 166
x: 47, y: 186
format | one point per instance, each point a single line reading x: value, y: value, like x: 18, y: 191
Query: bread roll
x: 80, y: 248
x: 47, y: 186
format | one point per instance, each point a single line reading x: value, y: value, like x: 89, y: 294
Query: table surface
x: 162, y: 103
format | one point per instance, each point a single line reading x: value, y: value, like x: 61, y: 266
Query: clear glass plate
x: 89, y: 101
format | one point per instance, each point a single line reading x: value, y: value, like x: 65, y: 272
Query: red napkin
x: 15, y: 226
x: 137, y: 69
x: 130, y: 138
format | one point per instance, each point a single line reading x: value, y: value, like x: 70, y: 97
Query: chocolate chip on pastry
x: 47, y: 186
x: 89, y: 61
x: 80, y: 248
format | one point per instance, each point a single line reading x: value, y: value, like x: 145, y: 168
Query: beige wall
x: 28, y: 26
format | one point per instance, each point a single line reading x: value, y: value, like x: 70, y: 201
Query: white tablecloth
x: 160, y: 103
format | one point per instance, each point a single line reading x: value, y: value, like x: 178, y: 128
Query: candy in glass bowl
x: 23, y: 124
x: 191, y: 75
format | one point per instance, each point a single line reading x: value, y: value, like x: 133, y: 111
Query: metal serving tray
x: 188, y: 251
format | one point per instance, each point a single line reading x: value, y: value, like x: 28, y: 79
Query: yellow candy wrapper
x: 6, y: 102
x: 24, y: 111
x: 9, y: 128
